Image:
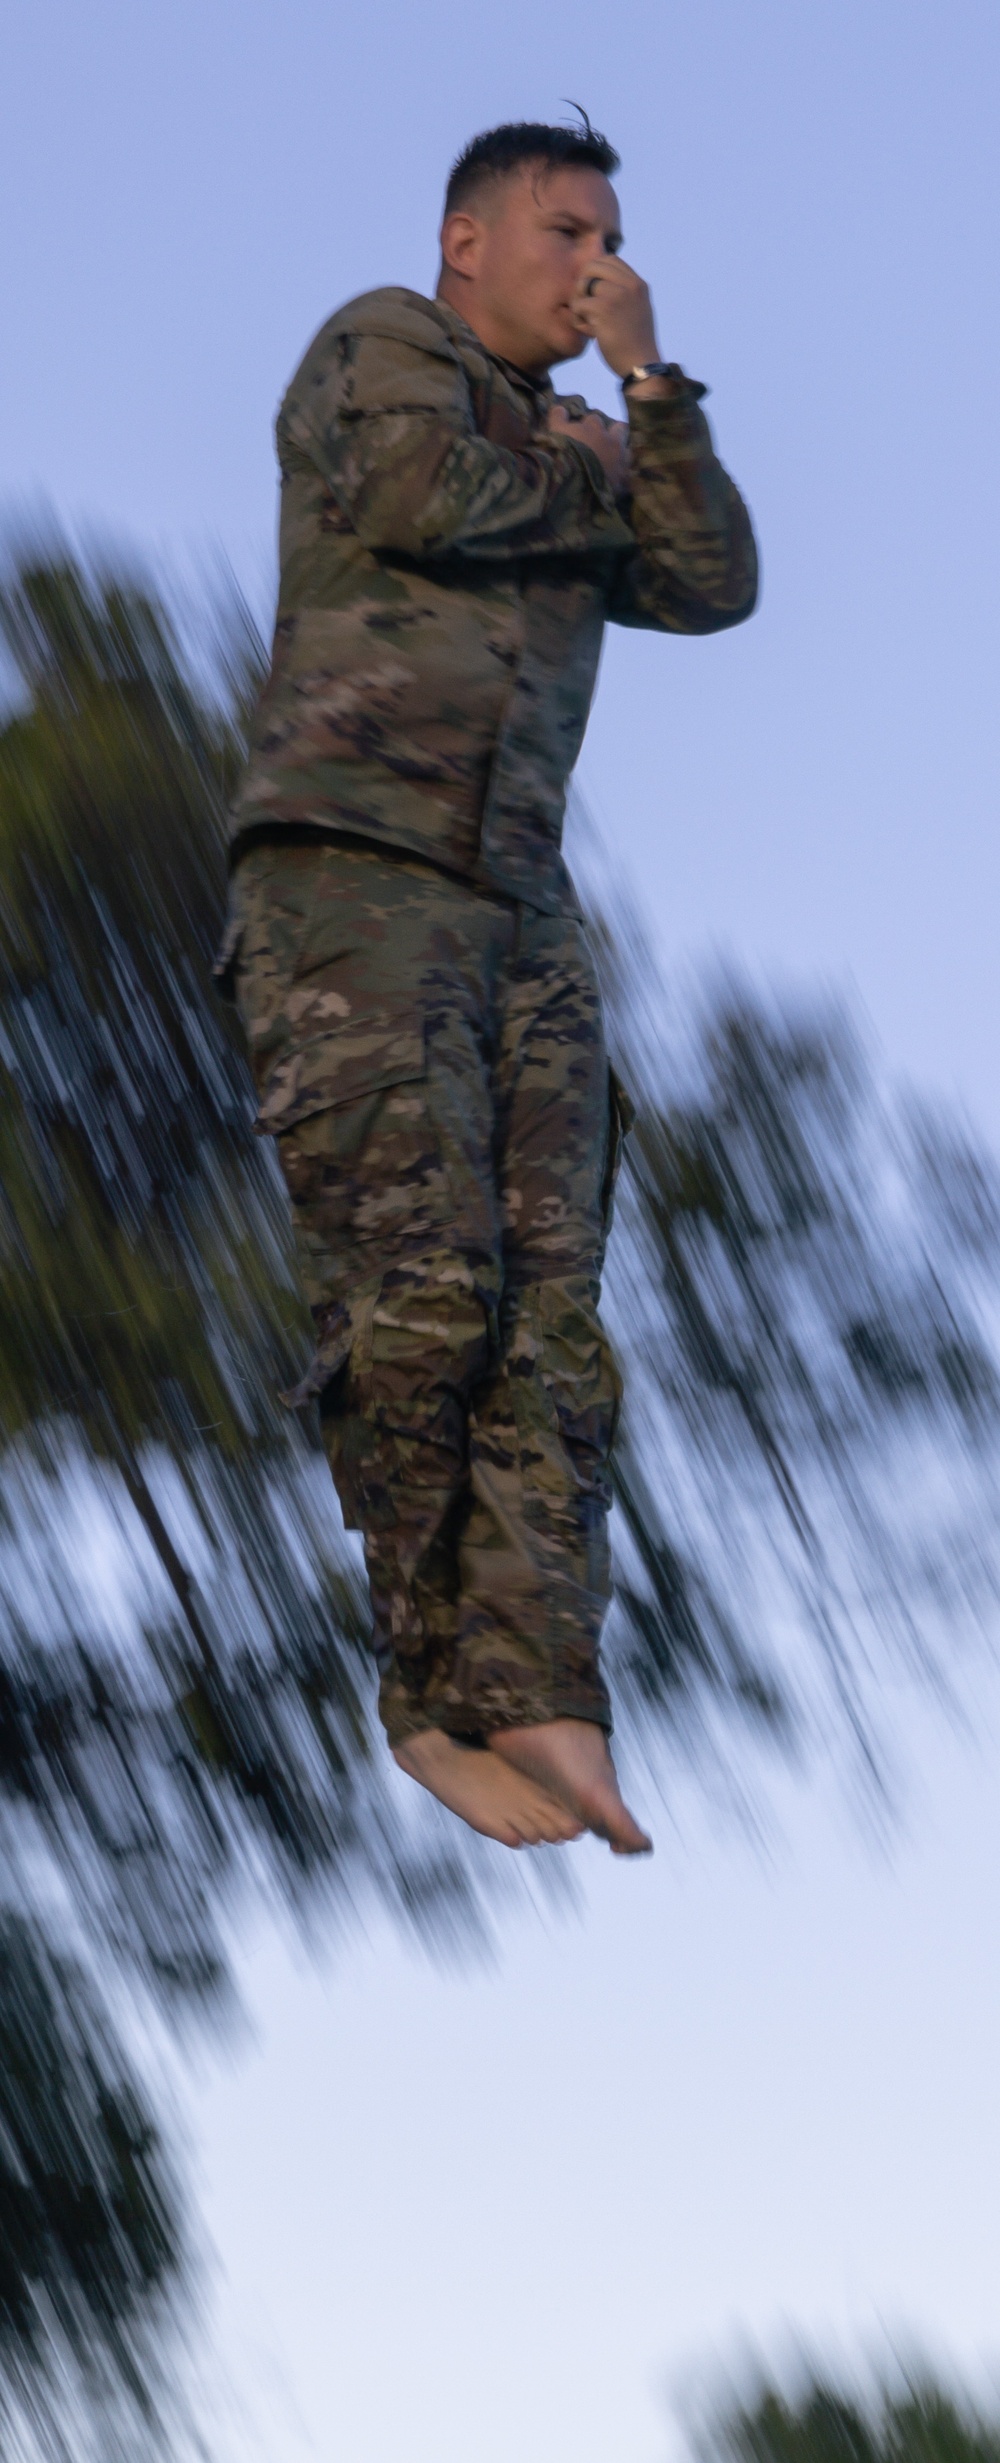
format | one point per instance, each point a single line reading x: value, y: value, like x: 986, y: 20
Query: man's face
x: 512, y: 262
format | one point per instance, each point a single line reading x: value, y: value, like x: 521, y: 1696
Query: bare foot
x: 572, y: 1759
x: 492, y: 1796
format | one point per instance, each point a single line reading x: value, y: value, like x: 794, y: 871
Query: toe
x: 631, y: 1842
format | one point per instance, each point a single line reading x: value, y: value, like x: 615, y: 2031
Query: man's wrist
x: 638, y: 358
x: 652, y: 389
x: 651, y: 379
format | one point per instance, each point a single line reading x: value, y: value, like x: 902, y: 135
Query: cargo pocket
x: 351, y: 1112
x: 334, y: 1069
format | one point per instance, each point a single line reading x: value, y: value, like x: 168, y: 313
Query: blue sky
x: 497, y: 2212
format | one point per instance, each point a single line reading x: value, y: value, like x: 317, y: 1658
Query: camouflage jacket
x: 447, y: 567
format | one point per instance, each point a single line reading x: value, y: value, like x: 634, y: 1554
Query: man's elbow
x: 711, y: 607
x: 729, y: 595
x: 736, y: 601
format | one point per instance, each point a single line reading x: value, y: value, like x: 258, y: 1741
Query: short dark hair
x: 502, y: 150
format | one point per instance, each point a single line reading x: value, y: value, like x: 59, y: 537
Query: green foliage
x: 803, y: 1291
x: 919, y: 2421
x: 89, y: 2229
x: 145, y: 1252
x: 210, y: 1734
x: 148, y: 1308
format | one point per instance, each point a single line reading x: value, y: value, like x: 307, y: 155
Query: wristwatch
x: 653, y: 367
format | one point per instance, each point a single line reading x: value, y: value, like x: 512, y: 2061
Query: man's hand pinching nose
x: 611, y: 303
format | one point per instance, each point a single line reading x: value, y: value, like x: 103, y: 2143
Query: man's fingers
x: 607, y: 274
x: 608, y: 438
x: 612, y: 306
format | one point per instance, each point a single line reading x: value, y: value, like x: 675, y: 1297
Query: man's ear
x: 461, y: 244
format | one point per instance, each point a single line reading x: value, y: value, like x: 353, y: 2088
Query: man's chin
x: 569, y: 346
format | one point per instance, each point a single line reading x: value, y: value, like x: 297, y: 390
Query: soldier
x: 408, y: 955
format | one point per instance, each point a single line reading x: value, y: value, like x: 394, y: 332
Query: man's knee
x: 431, y: 1335
x: 420, y: 1340
x: 564, y: 1385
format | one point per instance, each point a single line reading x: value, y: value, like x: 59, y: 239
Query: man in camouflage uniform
x: 408, y: 956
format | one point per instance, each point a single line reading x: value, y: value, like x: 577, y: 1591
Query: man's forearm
x: 412, y: 484
x: 551, y: 498
x: 695, y: 565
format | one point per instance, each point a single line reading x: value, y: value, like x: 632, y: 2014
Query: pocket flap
x: 224, y: 963
x: 349, y: 1060
x: 623, y: 1103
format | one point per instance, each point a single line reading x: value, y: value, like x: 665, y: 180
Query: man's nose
x: 589, y: 258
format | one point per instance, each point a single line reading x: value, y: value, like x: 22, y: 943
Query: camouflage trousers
x: 431, y: 1064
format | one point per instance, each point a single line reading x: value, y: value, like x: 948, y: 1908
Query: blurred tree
x: 148, y: 1311
x: 194, y: 1713
x: 803, y: 1290
x: 89, y: 2230
x: 916, y: 2421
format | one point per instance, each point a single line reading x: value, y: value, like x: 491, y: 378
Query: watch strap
x: 653, y: 367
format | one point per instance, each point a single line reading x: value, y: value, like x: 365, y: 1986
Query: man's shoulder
x: 393, y: 316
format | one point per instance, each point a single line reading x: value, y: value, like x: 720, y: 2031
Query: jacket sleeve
x: 391, y: 430
x: 694, y: 567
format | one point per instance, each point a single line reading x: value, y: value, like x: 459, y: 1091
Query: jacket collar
x: 539, y: 388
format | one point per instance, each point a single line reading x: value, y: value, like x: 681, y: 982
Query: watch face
x: 653, y: 367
